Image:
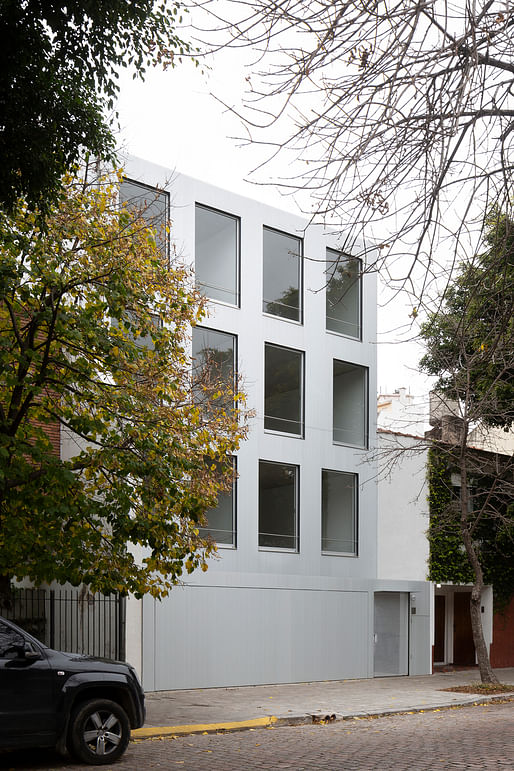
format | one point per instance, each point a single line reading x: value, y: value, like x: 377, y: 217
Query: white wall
x: 253, y: 328
x: 260, y: 616
x: 403, y: 548
x: 133, y: 634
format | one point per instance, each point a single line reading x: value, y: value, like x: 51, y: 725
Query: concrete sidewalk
x: 214, y: 709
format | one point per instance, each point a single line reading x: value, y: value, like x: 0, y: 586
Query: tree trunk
x: 486, y: 673
x: 484, y: 664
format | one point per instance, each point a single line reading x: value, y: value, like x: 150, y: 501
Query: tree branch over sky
x: 399, y: 115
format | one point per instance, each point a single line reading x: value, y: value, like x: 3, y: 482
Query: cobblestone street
x: 477, y: 737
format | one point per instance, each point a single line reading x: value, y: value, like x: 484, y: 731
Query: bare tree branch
x: 396, y: 116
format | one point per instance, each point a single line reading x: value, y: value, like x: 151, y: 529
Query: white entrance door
x: 391, y: 655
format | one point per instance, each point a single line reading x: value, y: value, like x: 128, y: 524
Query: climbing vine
x: 493, y: 535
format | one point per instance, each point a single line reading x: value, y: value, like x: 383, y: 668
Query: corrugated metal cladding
x: 250, y: 636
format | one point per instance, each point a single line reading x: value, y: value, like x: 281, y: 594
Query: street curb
x: 270, y: 721
x: 153, y: 732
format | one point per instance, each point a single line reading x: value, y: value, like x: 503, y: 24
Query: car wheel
x: 99, y: 732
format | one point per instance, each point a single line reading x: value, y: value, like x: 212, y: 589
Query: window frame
x: 355, y: 501
x: 301, y: 433
x: 202, y: 286
x: 204, y: 530
x: 300, y: 318
x: 234, y: 356
x: 155, y: 190
x: 296, y: 536
x: 365, y: 370
x: 342, y: 254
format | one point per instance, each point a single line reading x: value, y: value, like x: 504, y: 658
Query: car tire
x: 99, y: 732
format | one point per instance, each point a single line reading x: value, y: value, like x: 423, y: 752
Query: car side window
x: 11, y: 642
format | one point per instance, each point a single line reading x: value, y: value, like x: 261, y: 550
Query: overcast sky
x: 172, y: 119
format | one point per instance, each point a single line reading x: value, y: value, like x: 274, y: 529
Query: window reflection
x: 339, y: 512
x: 350, y: 395
x: 278, y: 509
x: 221, y: 520
x: 152, y: 204
x: 213, y: 362
x: 282, y: 275
x: 343, y: 294
x: 217, y: 254
x: 283, y: 390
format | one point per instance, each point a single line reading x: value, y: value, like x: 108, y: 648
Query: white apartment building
x: 295, y: 594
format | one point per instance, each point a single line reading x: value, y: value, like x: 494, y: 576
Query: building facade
x: 404, y: 505
x: 295, y: 594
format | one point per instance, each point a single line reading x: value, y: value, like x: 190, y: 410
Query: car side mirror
x: 29, y: 653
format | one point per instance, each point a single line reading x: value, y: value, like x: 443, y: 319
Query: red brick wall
x: 502, y: 647
x: 53, y: 431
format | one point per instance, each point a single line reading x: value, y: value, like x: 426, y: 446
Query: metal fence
x: 73, y: 620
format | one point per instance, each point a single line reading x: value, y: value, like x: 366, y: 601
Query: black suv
x: 64, y: 700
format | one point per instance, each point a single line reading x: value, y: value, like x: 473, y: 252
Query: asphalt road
x: 476, y: 737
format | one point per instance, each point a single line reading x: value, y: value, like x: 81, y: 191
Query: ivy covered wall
x: 448, y: 561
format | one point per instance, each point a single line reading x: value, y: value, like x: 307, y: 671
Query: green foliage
x: 59, y: 65
x: 491, y: 520
x: 94, y: 341
x: 470, y: 339
x: 448, y: 560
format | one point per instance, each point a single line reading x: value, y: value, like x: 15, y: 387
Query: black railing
x: 73, y: 620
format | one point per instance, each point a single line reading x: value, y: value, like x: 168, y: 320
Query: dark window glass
x: 339, y: 512
x: 343, y: 294
x: 282, y: 275
x: 152, y: 204
x: 283, y: 390
x: 221, y: 520
x: 213, y: 359
x: 350, y: 399
x: 278, y: 506
x: 217, y: 254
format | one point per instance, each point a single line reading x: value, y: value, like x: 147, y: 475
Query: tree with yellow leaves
x: 95, y: 322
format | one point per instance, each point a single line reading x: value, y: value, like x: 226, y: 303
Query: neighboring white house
x: 403, y: 546
x: 302, y: 590
x: 403, y: 412
x: 402, y: 419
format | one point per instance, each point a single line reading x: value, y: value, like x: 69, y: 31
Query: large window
x: 343, y: 294
x: 214, y: 361
x: 217, y: 254
x: 350, y: 400
x: 152, y: 204
x: 221, y: 520
x: 339, y: 512
x: 282, y: 282
x: 278, y: 506
x: 283, y: 390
